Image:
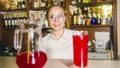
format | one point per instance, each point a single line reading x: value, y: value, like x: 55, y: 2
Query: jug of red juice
x: 80, y: 49
x: 28, y: 43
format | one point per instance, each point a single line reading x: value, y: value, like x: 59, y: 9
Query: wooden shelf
x: 95, y: 4
x: 11, y: 10
x: 38, y: 9
x: 79, y: 26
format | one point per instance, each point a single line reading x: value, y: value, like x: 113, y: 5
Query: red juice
x: 80, y: 50
x: 36, y: 60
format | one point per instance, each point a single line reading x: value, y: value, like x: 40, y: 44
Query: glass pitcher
x: 28, y: 43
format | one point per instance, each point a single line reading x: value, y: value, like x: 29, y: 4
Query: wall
x: 0, y: 32
x: 118, y: 25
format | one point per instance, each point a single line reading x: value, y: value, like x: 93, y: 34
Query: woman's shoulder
x: 46, y: 36
x: 72, y: 31
x: 76, y: 31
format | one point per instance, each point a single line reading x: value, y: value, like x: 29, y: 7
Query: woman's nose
x: 56, y: 18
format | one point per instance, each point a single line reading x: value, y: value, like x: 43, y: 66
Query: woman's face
x: 56, y: 18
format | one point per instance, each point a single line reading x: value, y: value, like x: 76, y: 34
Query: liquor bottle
x: 12, y: 22
x: 54, y: 2
x: 88, y: 21
x: 108, y: 19
x: 36, y: 4
x: 6, y: 21
x: 98, y: 0
x: 75, y: 17
x: 24, y: 18
x: 13, y: 5
x: 73, y: 2
x: 7, y: 6
x: 46, y: 23
x: 103, y: 20
x: 43, y: 4
x: 19, y: 6
x: 79, y: 16
x: 9, y: 22
x: 86, y: 1
x: 48, y: 3
x: 79, y: 1
x: 84, y: 19
x: 93, y: 20
x: 23, y: 4
x: 99, y: 17
x: 16, y: 21
x: 61, y: 3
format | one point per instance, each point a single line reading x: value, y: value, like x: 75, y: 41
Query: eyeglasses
x: 53, y: 17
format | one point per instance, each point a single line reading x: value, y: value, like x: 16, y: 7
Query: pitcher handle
x: 16, y: 32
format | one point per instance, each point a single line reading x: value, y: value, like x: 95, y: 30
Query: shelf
x: 95, y: 4
x: 13, y: 10
x: 38, y: 9
x: 80, y: 26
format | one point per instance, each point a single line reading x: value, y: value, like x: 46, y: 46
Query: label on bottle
x: 75, y: 20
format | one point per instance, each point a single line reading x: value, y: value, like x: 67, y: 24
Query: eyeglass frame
x: 53, y: 17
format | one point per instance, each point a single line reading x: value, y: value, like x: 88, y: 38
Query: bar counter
x: 9, y: 62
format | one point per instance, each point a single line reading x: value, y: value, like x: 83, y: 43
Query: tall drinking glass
x: 80, y: 40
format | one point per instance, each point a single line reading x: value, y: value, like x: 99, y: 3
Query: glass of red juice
x: 80, y: 49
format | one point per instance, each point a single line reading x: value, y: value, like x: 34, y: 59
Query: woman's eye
x: 52, y: 17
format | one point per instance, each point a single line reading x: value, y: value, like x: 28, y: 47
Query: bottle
x: 19, y: 5
x: 79, y: 16
x: 61, y: 3
x: 83, y: 1
x: 6, y: 21
x: 7, y: 6
x: 90, y: 46
x: 79, y: 1
x: 23, y: 4
x: 48, y: 3
x: 13, y: 22
x: 73, y: 2
x: 93, y: 20
x: 99, y: 18
x: 75, y: 17
x: 9, y: 21
x: 43, y: 4
x: 86, y: 1
x: 36, y: 4
x: 88, y: 21
x: 108, y: 20
x: 13, y: 5
x: 84, y: 19
x: 98, y: 0
x: 103, y: 20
